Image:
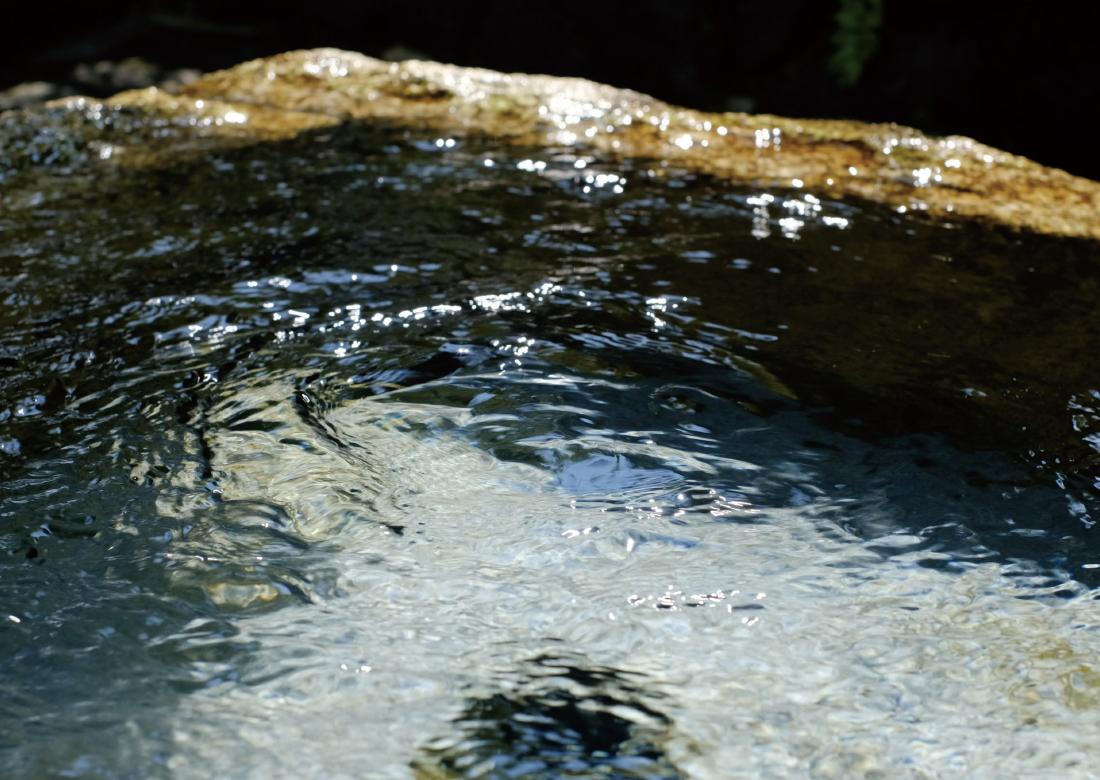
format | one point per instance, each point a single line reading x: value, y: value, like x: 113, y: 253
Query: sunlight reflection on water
x: 385, y: 462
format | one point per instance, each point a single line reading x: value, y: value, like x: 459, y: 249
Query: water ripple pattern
x: 370, y: 455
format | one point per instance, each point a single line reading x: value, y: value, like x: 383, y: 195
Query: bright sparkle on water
x: 405, y: 459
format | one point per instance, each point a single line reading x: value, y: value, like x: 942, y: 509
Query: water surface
x: 375, y: 455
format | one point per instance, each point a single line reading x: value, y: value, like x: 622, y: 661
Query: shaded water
x: 370, y: 455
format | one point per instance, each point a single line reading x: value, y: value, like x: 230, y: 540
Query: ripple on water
x: 385, y: 462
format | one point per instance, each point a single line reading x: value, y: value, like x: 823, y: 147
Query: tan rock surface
x: 281, y: 96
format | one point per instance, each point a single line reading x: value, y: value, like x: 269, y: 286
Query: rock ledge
x: 946, y: 178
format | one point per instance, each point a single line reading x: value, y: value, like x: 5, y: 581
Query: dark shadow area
x: 565, y: 721
x: 1010, y: 74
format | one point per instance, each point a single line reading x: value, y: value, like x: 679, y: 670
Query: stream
x: 372, y: 454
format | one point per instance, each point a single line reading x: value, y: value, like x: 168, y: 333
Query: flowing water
x: 369, y: 455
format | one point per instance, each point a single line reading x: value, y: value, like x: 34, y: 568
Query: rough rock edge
x: 954, y: 177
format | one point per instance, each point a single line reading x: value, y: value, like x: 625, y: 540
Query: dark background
x: 1019, y: 75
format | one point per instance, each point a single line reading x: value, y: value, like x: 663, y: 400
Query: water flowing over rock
x: 407, y: 421
x: 947, y: 178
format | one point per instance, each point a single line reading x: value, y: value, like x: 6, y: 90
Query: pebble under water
x: 369, y: 455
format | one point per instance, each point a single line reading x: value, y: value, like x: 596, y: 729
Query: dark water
x: 369, y: 455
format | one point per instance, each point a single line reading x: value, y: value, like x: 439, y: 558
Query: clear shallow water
x: 359, y: 457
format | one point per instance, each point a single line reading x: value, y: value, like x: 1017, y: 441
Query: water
x: 367, y: 456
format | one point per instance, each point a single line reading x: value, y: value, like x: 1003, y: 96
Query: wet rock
x: 946, y: 178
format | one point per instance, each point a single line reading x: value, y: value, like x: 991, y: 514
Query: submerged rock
x: 947, y: 178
